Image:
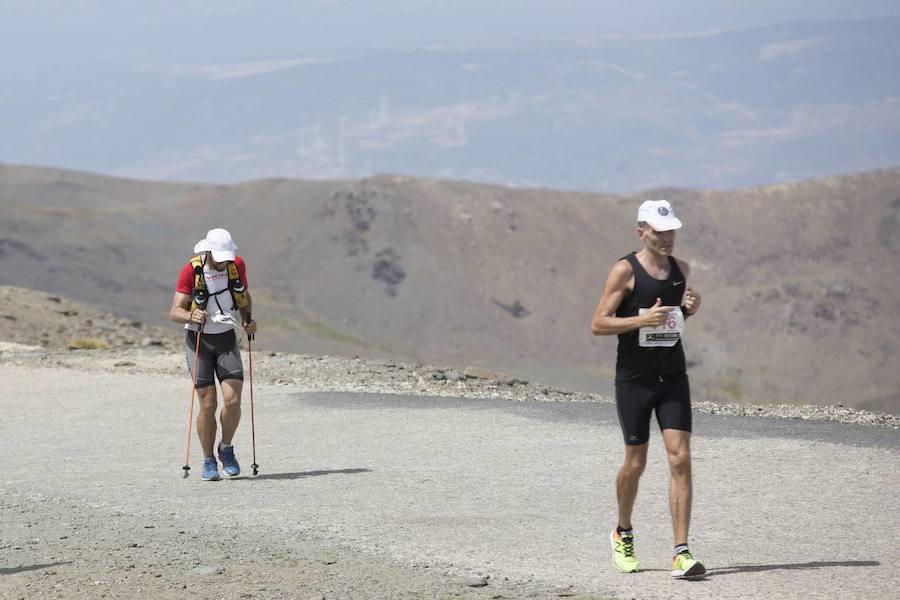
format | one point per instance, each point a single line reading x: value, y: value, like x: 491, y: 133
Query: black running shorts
x: 669, y: 396
x: 219, y: 357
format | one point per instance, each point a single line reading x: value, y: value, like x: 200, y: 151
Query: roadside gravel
x: 334, y: 373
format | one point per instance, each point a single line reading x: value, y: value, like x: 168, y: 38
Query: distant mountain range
x: 602, y: 112
x: 799, y: 280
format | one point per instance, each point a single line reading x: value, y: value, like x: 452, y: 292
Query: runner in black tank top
x: 633, y: 361
x: 645, y: 302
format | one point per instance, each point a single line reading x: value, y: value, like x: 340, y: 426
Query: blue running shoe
x: 229, y: 462
x: 210, y: 470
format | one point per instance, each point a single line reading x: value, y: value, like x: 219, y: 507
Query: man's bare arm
x: 181, y: 310
x: 690, y: 302
x: 605, y: 321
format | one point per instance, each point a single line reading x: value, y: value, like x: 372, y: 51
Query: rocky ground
x: 55, y: 322
x: 335, y: 373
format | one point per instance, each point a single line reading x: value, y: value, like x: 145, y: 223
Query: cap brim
x: 669, y: 224
x: 222, y: 255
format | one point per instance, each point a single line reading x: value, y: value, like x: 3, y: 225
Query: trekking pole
x: 187, y: 453
x: 254, y: 466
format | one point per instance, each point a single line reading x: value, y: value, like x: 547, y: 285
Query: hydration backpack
x: 200, y: 297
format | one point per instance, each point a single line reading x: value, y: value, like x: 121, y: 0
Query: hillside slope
x: 797, y: 279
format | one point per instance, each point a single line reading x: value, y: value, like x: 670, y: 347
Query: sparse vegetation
x: 88, y: 344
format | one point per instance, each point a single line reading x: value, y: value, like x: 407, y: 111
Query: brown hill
x: 54, y: 322
x: 798, y: 280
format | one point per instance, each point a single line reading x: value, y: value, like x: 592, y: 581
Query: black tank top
x: 633, y: 361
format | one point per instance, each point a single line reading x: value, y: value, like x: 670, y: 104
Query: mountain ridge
x: 457, y: 273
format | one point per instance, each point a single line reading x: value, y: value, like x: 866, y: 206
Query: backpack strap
x: 199, y: 297
x: 238, y: 290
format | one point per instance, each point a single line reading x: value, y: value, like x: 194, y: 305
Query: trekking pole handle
x: 247, y: 322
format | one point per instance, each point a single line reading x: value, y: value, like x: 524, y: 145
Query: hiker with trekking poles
x: 210, y: 297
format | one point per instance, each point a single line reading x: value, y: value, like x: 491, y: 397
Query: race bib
x: 666, y: 335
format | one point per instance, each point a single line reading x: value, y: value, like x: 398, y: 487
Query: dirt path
x: 405, y: 497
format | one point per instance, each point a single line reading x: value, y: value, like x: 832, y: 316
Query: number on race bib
x: 666, y: 335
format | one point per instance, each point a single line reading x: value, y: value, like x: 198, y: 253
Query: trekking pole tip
x: 255, y: 469
x: 187, y: 471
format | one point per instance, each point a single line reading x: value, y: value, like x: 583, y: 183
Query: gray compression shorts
x: 219, y: 356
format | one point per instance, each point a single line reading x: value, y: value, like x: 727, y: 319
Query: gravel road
x: 384, y: 496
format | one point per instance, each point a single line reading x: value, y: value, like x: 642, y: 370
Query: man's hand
x: 250, y: 327
x: 198, y: 316
x: 657, y: 314
x: 691, y: 301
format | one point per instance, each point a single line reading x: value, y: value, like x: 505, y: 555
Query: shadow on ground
x: 13, y: 570
x: 304, y: 474
x: 792, y: 566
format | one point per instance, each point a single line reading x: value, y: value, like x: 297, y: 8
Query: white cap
x: 659, y: 214
x: 219, y: 242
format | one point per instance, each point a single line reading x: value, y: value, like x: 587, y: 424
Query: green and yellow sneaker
x: 685, y: 566
x: 623, y: 552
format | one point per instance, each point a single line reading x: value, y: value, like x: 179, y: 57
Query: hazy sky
x: 48, y: 33
x: 698, y: 93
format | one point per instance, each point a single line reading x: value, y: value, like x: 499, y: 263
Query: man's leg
x: 678, y: 449
x: 202, y: 359
x: 634, y: 403
x: 206, y: 419
x: 627, y: 481
x: 622, y: 538
x: 231, y: 408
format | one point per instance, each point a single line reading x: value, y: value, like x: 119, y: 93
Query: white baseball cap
x: 659, y: 214
x: 219, y: 243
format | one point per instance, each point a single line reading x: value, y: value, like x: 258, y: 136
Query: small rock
x: 475, y: 581
x: 125, y: 363
x: 482, y: 373
x: 454, y: 375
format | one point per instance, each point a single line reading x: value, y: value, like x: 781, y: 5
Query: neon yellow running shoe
x: 623, y: 552
x: 685, y: 566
